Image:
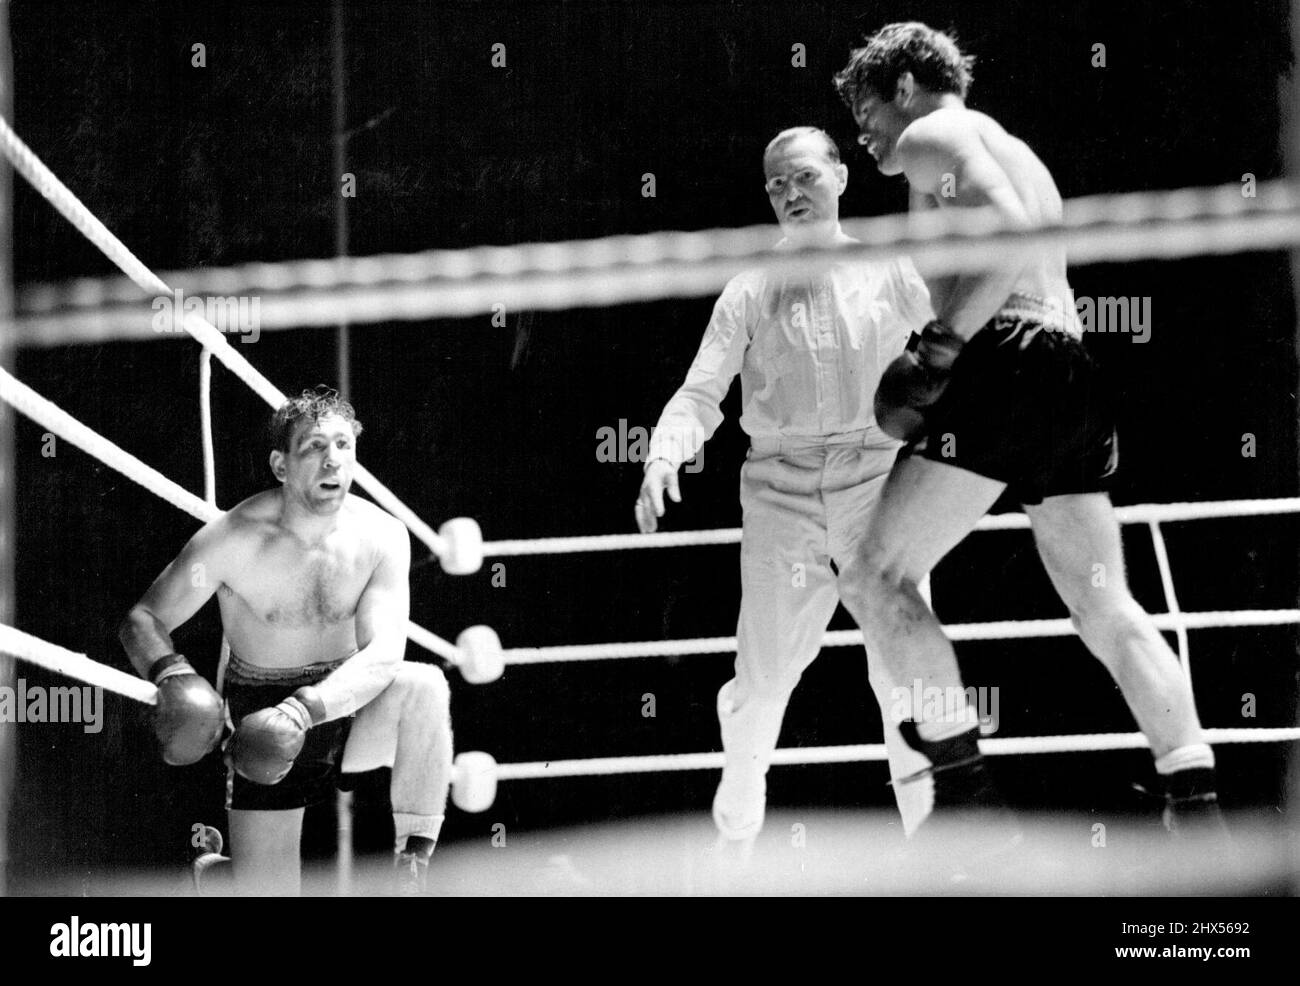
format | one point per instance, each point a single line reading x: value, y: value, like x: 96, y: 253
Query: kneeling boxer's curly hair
x: 931, y: 56
x: 312, y: 404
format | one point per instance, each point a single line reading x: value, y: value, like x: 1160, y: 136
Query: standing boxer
x: 998, y: 392
x: 313, y: 588
x: 809, y: 352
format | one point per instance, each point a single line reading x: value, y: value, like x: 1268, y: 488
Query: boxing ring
x: 620, y: 270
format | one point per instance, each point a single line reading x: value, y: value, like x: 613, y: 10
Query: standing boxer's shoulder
x: 947, y: 125
x: 931, y: 146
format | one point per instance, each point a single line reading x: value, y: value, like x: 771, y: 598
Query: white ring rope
x: 747, y: 244
x: 25, y: 647
x: 1176, y: 619
x: 1135, y: 514
x: 205, y: 427
x: 1171, y: 598
x: 435, y: 644
x: 1007, y: 746
x: 59, y: 196
x: 36, y: 651
x: 622, y: 269
x: 210, y: 484
x: 609, y: 542
x: 49, y: 415
x: 993, y: 630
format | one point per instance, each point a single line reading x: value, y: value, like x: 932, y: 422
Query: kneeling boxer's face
x: 320, y: 462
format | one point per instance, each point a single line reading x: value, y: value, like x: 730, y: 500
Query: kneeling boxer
x: 314, y: 593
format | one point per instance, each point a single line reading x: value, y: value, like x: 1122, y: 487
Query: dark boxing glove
x: 188, y: 713
x: 268, y: 741
x: 916, y: 380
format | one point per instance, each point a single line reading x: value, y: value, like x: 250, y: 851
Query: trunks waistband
x: 1051, y: 314
x: 240, y: 672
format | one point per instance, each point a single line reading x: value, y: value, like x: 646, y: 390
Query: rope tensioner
x: 477, y: 653
x: 461, y: 541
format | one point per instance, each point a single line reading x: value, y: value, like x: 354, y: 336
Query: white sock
x: 956, y: 717
x: 1187, y: 757
x: 406, y: 824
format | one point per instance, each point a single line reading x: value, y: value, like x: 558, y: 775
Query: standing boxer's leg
x: 1078, y: 537
x: 855, y: 479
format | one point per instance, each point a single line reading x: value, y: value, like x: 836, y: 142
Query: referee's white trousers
x: 806, y: 506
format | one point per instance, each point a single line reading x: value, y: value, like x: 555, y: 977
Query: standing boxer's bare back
x: 993, y: 167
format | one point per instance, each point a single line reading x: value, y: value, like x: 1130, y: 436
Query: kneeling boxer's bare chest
x: 292, y: 588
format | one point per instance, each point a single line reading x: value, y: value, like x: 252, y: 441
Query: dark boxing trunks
x: 1025, y: 406
x: 315, y: 772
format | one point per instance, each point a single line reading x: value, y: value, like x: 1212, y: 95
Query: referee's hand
x: 660, y: 475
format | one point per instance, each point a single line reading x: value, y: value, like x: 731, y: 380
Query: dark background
x: 233, y: 162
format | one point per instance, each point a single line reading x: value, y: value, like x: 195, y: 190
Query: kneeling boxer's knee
x: 424, y: 685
